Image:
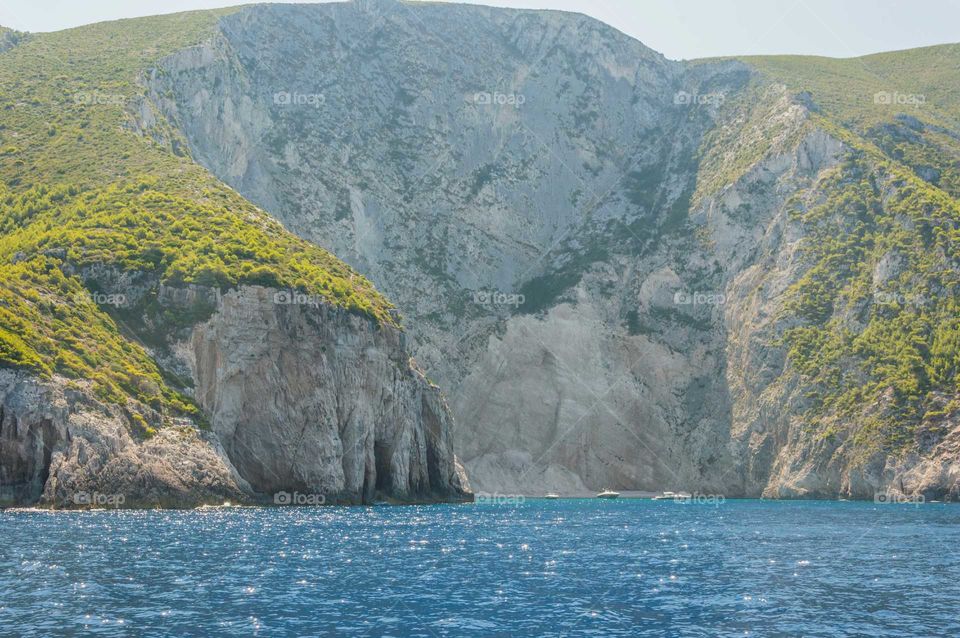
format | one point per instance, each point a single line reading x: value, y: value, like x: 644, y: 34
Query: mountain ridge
x: 590, y: 249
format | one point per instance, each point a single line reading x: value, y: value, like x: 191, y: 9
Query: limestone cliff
x: 597, y: 249
x: 300, y: 398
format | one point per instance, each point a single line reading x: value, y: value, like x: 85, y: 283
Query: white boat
x: 552, y: 496
x: 608, y: 494
x: 207, y: 506
x: 673, y: 496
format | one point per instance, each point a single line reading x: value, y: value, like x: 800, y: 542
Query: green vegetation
x: 214, y: 239
x: 893, y: 345
x: 80, y: 187
x: 878, y: 343
x: 50, y: 323
x: 860, y: 93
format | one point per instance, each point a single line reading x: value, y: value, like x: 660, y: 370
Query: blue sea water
x: 539, y: 568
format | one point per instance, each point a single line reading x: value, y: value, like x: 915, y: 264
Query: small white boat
x: 552, y: 496
x: 608, y: 494
x: 207, y: 506
x: 673, y: 496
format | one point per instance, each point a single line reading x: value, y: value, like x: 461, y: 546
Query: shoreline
x: 520, y: 500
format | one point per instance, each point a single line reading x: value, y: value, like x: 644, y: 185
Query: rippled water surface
x: 568, y: 567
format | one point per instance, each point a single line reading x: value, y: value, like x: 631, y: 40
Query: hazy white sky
x: 676, y: 28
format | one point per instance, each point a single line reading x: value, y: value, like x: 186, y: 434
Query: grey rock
x: 307, y: 399
x: 527, y: 187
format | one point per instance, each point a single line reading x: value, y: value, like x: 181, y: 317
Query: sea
x: 508, y: 567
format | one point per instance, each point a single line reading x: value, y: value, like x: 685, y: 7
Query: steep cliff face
x: 647, y: 345
x: 61, y: 447
x: 300, y: 397
x: 598, y: 250
x: 561, y: 145
x: 307, y: 397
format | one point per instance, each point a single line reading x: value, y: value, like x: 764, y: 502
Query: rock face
x: 590, y: 243
x: 476, y: 200
x: 310, y: 398
x: 301, y: 398
x: 59, y: 447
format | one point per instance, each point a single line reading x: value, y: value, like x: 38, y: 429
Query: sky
x: 680, y: 29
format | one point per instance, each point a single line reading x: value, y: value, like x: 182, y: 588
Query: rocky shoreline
x: 303, y: 402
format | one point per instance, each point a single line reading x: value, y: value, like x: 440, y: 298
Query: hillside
x: 80, y: 189
x: 101, y: 226
x: 879, y: 340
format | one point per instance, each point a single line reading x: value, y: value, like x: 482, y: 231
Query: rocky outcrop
x: 307, y: 397
x: 59, y: 447
x: 10, y: 38
x: 301, y: 399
